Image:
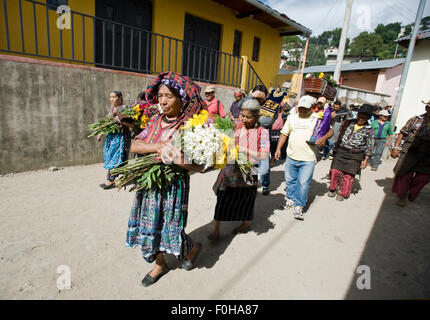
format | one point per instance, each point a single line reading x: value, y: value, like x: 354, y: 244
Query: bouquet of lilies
x: 201, y: 140
x: 139, y: 113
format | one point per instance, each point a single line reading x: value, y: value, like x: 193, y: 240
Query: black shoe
x: 149, y: 281
x: 331, y: 194
x: 265, y: 191
x: 104, y: 186
x: 187, y: 264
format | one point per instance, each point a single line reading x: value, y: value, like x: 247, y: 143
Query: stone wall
x: 47, y: 107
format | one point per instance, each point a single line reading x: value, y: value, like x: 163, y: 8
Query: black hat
x: 367, y: 108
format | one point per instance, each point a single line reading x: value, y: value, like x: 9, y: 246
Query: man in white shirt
x: 301, y: 157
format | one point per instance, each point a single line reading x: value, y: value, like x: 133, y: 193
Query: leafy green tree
x: 425, y: 23
x: 367, y: 44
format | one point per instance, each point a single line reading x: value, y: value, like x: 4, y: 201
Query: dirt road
x: 49, y: 219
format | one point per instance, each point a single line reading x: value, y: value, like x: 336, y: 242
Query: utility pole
x: 407, y: 62
x: 342, y: 42
x: 303, y: 68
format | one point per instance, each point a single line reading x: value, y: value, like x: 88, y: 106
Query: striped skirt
x: 235, y: 204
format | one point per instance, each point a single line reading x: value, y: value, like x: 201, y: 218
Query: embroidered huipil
x: 361, y: 140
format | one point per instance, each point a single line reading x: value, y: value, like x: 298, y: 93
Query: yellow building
x: 236, y: 43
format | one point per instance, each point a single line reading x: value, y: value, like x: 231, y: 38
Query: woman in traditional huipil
x: 413, y: 167
x: 236, y: 196
x: 117, y: 145
x: 158, y: 217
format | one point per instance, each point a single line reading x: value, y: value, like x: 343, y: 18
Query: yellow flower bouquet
x: 139, y: 113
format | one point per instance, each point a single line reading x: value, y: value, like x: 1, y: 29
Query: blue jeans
x: 327, y: 148
x: 264, y: 171
x: 375, y: 161
x: 298, y: 176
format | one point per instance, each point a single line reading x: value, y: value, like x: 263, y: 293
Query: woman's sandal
x: 148, y: 280
x: 188, y: 264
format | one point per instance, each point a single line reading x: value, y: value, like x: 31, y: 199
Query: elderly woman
x: 352, y: 152
x: 117, y: 145
x: 158, y: 218
x: 413, y: 168
x: 235, y: 196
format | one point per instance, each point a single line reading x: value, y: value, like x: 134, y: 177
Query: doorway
x: 200, y: 50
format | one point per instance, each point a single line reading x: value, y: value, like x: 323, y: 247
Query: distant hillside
x: 379, y: 43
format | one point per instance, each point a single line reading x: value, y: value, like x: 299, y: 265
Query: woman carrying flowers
x: 158, y: 217
x: 236, y: 195
x: 117, y: 144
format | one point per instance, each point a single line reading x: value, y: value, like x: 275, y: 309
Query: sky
x: 326, y: 15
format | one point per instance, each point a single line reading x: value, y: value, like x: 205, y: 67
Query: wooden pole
x: 303, y: 68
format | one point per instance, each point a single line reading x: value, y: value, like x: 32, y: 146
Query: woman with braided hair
x: 158, y: 217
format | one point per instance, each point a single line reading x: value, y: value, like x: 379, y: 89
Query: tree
x: 366, y: 44
x: 335, y: 39
x: 388, y: 32
x: 425, y: 23
x: 315, y: 55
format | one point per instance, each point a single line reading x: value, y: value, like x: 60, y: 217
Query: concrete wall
x: 417, y: 86
x: 47, y: 107
x: 353, y: 95
x: 388, y: 82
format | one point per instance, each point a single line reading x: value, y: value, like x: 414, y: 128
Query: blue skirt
x: 114, y: 152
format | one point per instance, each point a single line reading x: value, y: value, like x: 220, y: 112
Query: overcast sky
x: 324, y: 15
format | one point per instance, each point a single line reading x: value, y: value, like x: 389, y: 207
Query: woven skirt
x: 348, y: 161
x: 235, y: 204
x: 158, y: 219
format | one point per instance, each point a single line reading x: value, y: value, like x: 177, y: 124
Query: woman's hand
x: 170, y: 154
x: 320, y: 142
x: 395, y: 153
x: 364, y: 164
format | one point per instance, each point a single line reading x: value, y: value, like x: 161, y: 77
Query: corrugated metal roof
x: 421, y: 35
x: 367, y: 65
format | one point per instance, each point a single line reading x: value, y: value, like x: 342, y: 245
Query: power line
x: 401, y: 4
x: 312, y: 54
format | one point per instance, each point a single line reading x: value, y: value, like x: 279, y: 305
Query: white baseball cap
x: 307, y: 102
x: 384, y: 113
